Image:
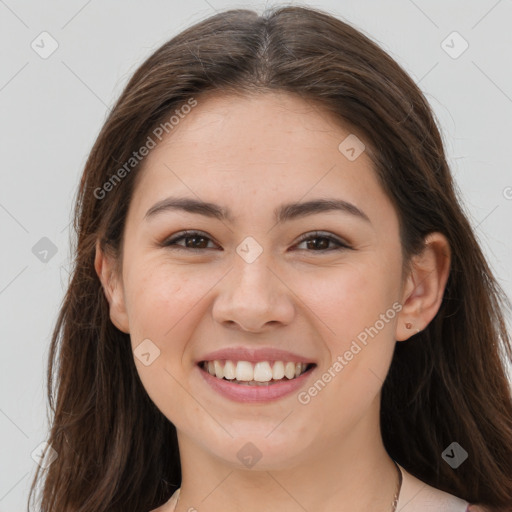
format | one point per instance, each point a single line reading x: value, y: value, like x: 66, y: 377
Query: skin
x: 251, y: 154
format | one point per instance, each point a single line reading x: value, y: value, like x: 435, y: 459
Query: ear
x: 424, y: 287
x: 105, y: 268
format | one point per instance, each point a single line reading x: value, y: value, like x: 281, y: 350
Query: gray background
x: 52, y: 109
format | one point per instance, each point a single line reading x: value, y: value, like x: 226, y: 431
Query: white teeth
x: 244, y: 371
x: 262, y: 371
x: 229, y: 370
x: 218, y: 369
x: 289, y: 370
x: 278, y: 370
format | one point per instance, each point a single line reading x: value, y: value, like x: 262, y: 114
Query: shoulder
x: 417, y: 496
x: 169, y: 505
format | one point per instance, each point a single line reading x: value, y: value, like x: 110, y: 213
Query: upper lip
x: 254, y: 355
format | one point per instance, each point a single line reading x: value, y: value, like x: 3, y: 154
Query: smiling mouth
x: 261, y: 373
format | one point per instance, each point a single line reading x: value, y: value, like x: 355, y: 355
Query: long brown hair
x: 116, y: 450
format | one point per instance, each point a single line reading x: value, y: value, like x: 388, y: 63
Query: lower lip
x: 243, y: 393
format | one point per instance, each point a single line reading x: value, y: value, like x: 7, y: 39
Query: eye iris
x: 198, y: 241
x: 320, y: 245
x: 195, y: 238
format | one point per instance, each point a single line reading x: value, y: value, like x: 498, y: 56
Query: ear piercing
x: 408, y: 325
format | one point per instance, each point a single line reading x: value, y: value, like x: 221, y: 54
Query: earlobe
x: 424, y: 287
x: 105, y: 269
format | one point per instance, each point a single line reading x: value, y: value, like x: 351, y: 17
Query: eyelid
x: 341, y: 243
x: 185, y: 234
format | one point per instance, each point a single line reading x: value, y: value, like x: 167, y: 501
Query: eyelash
x: 171, y: 242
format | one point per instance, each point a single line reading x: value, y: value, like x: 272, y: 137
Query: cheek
x: 160, y: 309
x: 355, y: 306
x: 157, y: 298
x: 157, y: 303
x: 349, y: 299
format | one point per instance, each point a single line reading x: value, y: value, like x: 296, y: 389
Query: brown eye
x: 315, y: 242
x: 319, y: 242
x: 194, y: 240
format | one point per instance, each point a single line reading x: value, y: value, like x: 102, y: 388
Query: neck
x: 349, y: 472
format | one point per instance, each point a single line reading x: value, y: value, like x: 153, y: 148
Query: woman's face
x: 247, y: 282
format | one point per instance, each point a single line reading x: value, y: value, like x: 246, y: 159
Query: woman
x: 277, y: 302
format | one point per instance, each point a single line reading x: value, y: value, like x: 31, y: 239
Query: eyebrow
x: 283, y: 213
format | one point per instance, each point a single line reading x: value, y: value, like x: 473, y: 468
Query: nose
x: 253, y: 297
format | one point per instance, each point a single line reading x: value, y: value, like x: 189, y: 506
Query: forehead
x: 271, y: 127
x: 256, y: 151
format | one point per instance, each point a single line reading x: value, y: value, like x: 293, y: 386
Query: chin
x: 260, y: 451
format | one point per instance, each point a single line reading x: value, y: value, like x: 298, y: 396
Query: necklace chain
x: 393, y: 505
x: 398, y: 489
